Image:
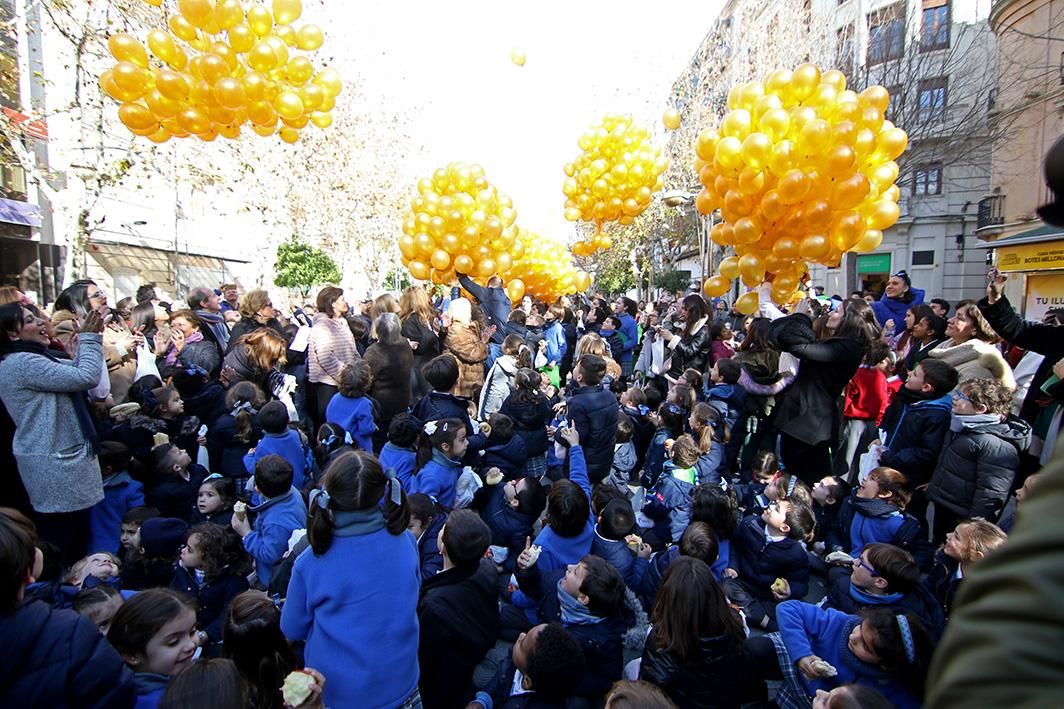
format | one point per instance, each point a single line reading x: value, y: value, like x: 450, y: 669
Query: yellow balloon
x: 329, y: 80
x: 131, y: 78
x: 321, y: 120
x: 729, y: 268
x: 125, y: 47
x: 228, y: 14
x: 869, y: 242
x: 298, y: 71
x: 884, y: 215
x: 517, y: 56
x: 241, y: 39
x: 262, y: 57
x: 194, y: 120
x: 137, y: 117
x: 287, y: 11
x: 814, y: 247
x: 229, y: 92
x: 515, y: 289
x: 671, y: 119
x: 309, y: 38
x: 197, y: 12
x: 260, y: 20
x: 747, y: 303
x: 892, y: 142
x: 716, y: 286
x: 752, y: 268
x: 418, y: 270
x: 182, y: 28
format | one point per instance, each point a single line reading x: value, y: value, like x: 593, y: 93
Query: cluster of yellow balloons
x: 802, y: 170
x: 615, y: 175
x: 546, y: 271
x: 219, y: 68
x: 459, y: 223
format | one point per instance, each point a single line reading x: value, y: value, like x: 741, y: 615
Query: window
x: 9, y: 78
x: 844, y: 50
x: 927, y: 180
x: 896, y: 107
x: 886, y: 34
x: 932, y: 106
x: 924, y: 258
x: 934, y: 25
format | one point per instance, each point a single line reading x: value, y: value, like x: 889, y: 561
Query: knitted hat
x: 162, y: 536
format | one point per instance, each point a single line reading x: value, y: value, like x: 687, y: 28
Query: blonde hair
x: 982, y: 538
x: 75, y: 575
x: 591, y: 343
x: 265, y: 348
x: 384, y: 303
x: 9, y: 294
x: 253, y: 301
x: 415, y: 301
x: 685, y: 451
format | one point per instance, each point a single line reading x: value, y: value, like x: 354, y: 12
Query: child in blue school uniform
x: 353, y: 596
x: 121, y: 493
x: 400, y: 452
x: 281, y: 512
x: 279, y: 439
x: 441, y: 446
x: 352, y: 408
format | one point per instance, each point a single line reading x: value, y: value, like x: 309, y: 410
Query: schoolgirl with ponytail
x: 439, y: 460
x: 710, y: 432
x: 237, y: 431
x: 353, y: 599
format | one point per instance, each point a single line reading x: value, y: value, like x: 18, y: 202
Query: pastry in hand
x: 240, y: 510
x: 296, y: 688
x: 634, y: 541
x: 780, y: 586
x: 824, y: 668
x: 533, y: 554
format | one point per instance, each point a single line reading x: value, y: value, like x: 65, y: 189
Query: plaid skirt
x: 536, y: 466
x: 413, y: 701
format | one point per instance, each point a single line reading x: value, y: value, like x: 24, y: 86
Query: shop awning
x: 22, y: 213
x: 1037, y: 235
x: 1039, y: 249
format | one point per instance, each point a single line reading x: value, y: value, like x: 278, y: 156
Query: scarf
x: 216, y: 323
x: 873, y: 599
x: 875, y: 508
x: 81, y: 403
x: 959, y: 422
x: 171, y: 354
x: 357, y: 523
x: 573, y: 611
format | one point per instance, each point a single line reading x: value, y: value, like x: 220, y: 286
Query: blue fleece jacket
x: 277, y: 518
x: 807, y: 630
x: 669, y: 502
x: 556, y: 346
x: 354, y: 415
x: 289, y: 446
x: 559, y: 551
x: 438, y: 479
x: 121, y: 493
x: 356, y: 608
x: 630, y: 337
x: 401, y: 460
x: 893, y: 309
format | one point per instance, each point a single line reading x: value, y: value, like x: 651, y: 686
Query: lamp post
x: 686, y: 199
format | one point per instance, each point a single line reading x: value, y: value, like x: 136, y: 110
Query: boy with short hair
x: 768, y: 562
x: 587, y: 598
x: 176, y: 482
x: 593, y: 411
x: 129, y: 533
x: 917, y: 421
x: 278, y: 439
x: 928, y: 333
x: 615, y: 524
x: 281, y: 512
x: 542, y: 669
x: 441, y: 373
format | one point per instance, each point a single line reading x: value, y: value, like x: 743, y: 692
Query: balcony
x: 991, y: 215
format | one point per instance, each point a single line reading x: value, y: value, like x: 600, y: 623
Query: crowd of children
x: 632, y: 530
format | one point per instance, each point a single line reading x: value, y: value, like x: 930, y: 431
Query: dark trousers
x: 322, y: 394
x: 759, y: 613
x: 809, y: 462
x: 67, y: 530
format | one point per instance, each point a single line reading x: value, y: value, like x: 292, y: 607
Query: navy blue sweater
x: 760, y: 562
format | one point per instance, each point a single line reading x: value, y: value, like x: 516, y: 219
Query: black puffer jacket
x: 530, y: 421
x: 716, y: 678
x: 975, y: 473
x: 56, y: 658
x: 690, y: 351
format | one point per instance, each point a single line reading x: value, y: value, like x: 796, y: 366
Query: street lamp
x: 686, y: 198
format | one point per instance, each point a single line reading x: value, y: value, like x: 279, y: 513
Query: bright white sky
x: 447, y: 65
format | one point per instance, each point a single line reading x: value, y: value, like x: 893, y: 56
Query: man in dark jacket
x: 593, y: 411
x: 54, y: 658
x: 457, y: 613
x: 496, y: 306
x: 1045, y: 339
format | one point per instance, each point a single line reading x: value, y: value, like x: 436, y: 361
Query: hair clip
x: 242, y: 406
x: 394, y: 486
x: 213, y: 476
x: 907, y: 638
x: 328, y: 442
x: 347, y: 438
x: 791, y: 485
x: 673, y: 408
x: 194, y: 370
x: 430, y: 428
x: 320, y: 497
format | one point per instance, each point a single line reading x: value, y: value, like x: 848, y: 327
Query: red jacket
x: 867, y: 395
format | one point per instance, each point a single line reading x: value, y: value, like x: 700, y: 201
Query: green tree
x: 301, y: 266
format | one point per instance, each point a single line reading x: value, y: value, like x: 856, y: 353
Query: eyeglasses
x: 860, y: 562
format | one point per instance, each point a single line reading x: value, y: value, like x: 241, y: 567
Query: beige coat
x: 464, y: 342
